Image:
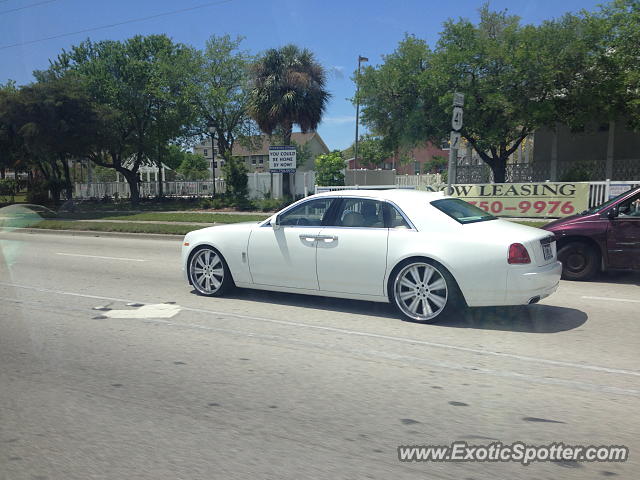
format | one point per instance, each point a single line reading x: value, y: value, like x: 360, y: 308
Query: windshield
x: 604, y: 205
x: 462, y: 211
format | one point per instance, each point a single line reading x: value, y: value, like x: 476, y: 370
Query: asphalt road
x: 264, y: 385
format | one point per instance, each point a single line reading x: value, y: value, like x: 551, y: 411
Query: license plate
x: 547, y: 251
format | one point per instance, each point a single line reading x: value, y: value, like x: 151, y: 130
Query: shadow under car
x: 538, y: 318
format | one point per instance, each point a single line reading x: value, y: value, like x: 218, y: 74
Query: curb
x: 93, y: 233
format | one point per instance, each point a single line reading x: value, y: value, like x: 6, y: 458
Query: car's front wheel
x: 424, y: 291
x: 580, y: 261
x: 209, y: 273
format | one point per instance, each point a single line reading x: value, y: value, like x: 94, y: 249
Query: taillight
x: 518, y: 254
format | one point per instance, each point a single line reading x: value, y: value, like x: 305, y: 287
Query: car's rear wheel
x: 209, y: 273
x: 424, y: 291
x: 580, y: 261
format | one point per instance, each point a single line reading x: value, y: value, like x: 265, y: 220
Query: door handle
x: 327, y: 238
x: 308, y: 238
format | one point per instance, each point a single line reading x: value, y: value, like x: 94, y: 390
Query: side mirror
x: 613, y: 212
x: 275, y: 222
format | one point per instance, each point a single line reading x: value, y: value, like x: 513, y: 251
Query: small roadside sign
x: 456, y: 119
x: 282, y: 159
x: 455, y: 140
x: 458, y: 99
x: 615, y: 190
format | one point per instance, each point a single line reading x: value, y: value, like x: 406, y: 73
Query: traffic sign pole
x: 454, y: 140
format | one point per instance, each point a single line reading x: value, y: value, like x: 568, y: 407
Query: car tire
x: 432, y: 296
x: 209, y: 273
x: 580, y: 261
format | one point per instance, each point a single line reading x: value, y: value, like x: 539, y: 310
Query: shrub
x: 8, y: 187
x: 38, y: 192
x: 237, y: 183
x: 268, y: 204
x: 329, y: 169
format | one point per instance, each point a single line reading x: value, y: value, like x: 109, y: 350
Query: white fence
x: 600, y: 192
x: 147, y: 189
x: 333, y: 188
x: 261, y: 185
x: 426, y: 180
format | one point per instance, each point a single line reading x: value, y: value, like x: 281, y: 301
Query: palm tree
x: 288, y: 88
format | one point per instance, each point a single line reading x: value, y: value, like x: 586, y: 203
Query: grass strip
x: 133, y: 227
x: 167, y: 217
x: 116, y: 227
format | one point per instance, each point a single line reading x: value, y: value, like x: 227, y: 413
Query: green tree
x: 173, y: 157
x: 616, y: 64
x: 236, y: 180
x: 515, y: 79
x: 330, y: 169
x: 392, y: 100
x: 288, y: 88
x: 437, y: 164
x: 11, y: 151
x: 193, y: 167
x: 143, y: 89
x: 507, y: 90
x: 372, y: 150
x: 222, y: 90
x: 55, y: 121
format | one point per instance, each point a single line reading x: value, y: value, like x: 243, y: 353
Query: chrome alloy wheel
x: 420, y: 291
x: 207, y: 271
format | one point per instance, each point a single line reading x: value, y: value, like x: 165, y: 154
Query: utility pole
x: 355, y: 149
x: 454, y: 140
x: 213, y: 161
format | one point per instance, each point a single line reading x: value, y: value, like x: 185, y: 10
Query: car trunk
x: 540, y: 244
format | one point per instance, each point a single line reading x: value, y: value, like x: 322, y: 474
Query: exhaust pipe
x: 534, y: 300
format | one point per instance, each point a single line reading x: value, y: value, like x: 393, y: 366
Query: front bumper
x: 526, y: 283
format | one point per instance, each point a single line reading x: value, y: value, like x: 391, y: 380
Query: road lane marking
x: 611, y: 299
x: 393, y: 356
x: 411, y: 341
x: 154, y: 310
x: 458, y: 366
x: 98, y: 256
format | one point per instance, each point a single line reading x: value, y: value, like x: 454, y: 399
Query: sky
x: 336, y: 31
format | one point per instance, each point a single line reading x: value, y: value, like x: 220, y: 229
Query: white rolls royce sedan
x: 424, y: 252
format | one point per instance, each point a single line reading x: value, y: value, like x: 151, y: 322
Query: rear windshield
x: 462, y: 211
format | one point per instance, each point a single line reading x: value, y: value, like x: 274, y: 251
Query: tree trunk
x: 160, y: 184
x: 221, y: 143
x: 67, y: 179
x: 498, y: 167
x: 53, y: 179
x: 132, y: 180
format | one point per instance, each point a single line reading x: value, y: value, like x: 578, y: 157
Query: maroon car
x: 606, y: 237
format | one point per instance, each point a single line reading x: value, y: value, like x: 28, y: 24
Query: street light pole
x: 213, y: 162
x: 355, y: 149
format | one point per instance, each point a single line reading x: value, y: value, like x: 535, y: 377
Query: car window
x: 604, y: 205
x: 630, y: 208
x: 359, y: 212
x: 462, y: 211
x: 395, y: 218
x: 309, y: 213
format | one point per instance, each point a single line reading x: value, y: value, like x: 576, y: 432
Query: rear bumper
x: 525, y: 284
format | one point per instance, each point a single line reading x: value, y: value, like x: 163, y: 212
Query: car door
x: 623, y: 235
x: 286, y: 256
x: 352, y: 250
